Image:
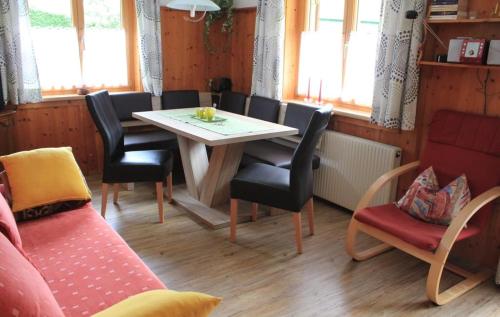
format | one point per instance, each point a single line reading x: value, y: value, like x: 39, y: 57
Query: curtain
x: 17, y: 58
x: 267, y: 76
x: 396, y: 70
x: 148, y: 20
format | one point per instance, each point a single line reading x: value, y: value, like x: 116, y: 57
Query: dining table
x: 208, y: 177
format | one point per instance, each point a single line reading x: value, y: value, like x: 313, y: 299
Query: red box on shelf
x: 473, y: 51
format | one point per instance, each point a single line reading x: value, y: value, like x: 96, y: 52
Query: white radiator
x: 349, y: 165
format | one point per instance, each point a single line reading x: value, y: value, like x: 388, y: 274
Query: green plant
x: 226, y: 12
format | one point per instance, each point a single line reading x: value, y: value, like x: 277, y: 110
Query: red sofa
x: 86, y: 265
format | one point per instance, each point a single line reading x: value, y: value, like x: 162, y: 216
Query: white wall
x: 237, y: 3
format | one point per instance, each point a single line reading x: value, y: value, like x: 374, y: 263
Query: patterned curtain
x: 396, y: 72
x: 17, y: 57
x: 267, y: 76
x: 148, y: 20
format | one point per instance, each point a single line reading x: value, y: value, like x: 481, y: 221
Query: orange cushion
x: 397, y: 222
x: 44, y: 176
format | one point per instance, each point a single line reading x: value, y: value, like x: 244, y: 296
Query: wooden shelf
x: 458, y: 21
x: 452, y: 65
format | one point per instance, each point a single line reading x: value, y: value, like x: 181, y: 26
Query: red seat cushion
x: 23, y: 292
x: 86, y: 264
x: 397, y: 222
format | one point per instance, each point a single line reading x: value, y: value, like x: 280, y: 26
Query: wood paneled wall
x: 60, y: 123
x: 187, y: 63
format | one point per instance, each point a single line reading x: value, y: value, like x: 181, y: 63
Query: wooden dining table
x: 207, y: 180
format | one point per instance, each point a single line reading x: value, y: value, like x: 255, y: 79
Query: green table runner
x: 230, y: 126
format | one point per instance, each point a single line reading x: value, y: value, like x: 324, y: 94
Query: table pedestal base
x: 208, y: 181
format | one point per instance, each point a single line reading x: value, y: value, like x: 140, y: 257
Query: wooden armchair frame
x: 436, y: 259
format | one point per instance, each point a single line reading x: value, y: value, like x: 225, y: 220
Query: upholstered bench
x: 273, y: 153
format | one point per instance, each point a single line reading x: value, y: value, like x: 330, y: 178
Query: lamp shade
x: 193, y: 5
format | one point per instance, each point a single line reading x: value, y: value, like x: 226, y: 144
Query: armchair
x: 457, y: 143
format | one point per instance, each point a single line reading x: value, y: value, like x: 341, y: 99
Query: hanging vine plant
x: 226, y: 13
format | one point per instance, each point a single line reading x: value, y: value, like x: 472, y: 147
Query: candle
x: 320, y: 101
x: 308, y: 98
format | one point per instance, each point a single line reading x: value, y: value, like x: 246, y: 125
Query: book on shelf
x: 443, y: 13
x: 444, y: 17
x: 444, y: 2
x: 438, y: 8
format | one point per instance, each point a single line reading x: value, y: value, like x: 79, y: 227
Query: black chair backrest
x: 106, y: 120
x: 233, y: 102
x: 127, y: 102
x: 301, y: 175
x: 176, y: 99
x: 264, y: 108
x: 298, y: 116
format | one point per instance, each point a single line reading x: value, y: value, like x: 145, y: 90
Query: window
x: 338, y: 50
x: 83, y: 43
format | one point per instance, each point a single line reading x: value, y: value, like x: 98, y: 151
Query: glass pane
x: 55, y: 43
x: 105, y: 55
x: 320, y: 64
x: 369, y: 15
x: 360, y: 69
x: 331, y: 16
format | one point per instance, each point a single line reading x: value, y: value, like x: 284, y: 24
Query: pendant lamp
x: 192, y: 6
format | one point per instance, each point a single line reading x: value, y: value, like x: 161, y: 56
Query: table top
x: 165, y: 120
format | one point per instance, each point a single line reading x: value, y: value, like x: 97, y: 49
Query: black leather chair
x: 122, y: 166
x: 127, y: 103
x: 264, y: 108
x: 234, y: 102
x: 272, y: 153
x: 176, y: 99
x: 282, y: 188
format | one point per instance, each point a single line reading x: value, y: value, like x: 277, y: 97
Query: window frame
x: 129, y: 19
x: 312, y: 18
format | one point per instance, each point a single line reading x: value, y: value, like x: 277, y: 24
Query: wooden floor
x: 261, y: 275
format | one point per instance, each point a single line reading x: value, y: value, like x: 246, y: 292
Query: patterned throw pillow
x: 433, y: 205
x: 427, y: 179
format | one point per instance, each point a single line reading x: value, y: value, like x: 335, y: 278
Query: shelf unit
x: 468, y: 21
x: 482, y: 27
x: 453, y: 65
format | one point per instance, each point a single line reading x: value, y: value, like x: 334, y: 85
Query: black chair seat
x: 271, y: 153
x: 139, y: 166
x: 265, y: 184
x: 151, y: 140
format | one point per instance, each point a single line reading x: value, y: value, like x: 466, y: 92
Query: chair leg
x: 310, y: 215
x: 255, y: 209
x: 434, y: 278
x: 116, y: 190
x: 159, y: 199
x: 170, y: 189
x: 352, y: 233
x: 104, y: 199
x: 234, y: 219
x: 297, y: 220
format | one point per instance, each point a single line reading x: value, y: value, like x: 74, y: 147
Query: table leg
x: 208, y: 182
x: 195, y: 164
x: 224, y: 163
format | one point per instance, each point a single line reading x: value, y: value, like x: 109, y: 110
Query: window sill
x: 339, y: 110
x: 50, y: 98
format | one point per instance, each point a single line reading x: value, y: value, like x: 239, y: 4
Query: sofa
x: 84, y: 263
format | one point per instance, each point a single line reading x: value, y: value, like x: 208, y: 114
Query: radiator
x: 349, y: 165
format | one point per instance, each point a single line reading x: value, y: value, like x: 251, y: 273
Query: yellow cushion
x: 159, y: 303
x: 43, y: 177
